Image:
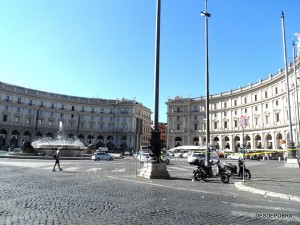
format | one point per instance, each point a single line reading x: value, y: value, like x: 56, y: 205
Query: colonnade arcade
x: 270, y: 140
x: 14, y: 138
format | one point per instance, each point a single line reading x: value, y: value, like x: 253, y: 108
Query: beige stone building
x: 263, y: 105
x: 32, y: 114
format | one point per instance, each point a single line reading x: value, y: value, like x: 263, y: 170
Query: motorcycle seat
x: 205, y: 167
x: 232, y: 166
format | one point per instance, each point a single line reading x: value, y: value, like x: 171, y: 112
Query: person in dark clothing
x: 57, y: 157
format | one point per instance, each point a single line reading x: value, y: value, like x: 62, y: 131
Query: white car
x: 196, y: 158
x: 235, y: 156
x: 199, y: 157
x: 165, y: 158
x: 102, y: 156
x: 144, y: 157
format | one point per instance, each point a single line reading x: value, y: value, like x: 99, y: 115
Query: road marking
x: 26, y: 164
x: 72, y: 168
x: 170, y: 168
x: 47, y: 168
x: 94, y: 169
x: 164, y: 186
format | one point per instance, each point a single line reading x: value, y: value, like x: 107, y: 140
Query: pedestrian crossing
x: 94, y: 167
x: 72, y: 167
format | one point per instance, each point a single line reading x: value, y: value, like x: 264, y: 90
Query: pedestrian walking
x: 56, y: 156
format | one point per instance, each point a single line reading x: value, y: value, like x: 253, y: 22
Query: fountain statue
x: 48, y: 143
x: 60, y: 131
x: 26, y: 147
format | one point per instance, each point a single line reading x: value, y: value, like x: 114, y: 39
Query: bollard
x: 279, y: 158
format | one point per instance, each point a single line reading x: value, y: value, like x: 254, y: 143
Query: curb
x: 239, y: 185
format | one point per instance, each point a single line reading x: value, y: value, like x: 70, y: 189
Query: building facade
x: 263, y: 106
x: 162, y: 127
x: 28, y: 114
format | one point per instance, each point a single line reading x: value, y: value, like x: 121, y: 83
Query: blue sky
x: 105, y: 48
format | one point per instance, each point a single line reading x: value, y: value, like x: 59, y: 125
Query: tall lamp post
x: 296, y: 92
x: 243, y: 125
x: 156, y: 169
x: 207, y: 15
x: 292, y: 161
x: 155, y: 133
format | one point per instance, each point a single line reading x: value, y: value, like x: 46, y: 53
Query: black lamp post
x: 155, y: 133
x: 296, y: 93
x: 207, y: 15
x: 291, y: 145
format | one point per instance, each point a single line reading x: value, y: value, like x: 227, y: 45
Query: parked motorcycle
x: 238, y: 173
x: 203, y: 172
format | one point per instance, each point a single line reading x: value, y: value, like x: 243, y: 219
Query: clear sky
x: 105, y: 48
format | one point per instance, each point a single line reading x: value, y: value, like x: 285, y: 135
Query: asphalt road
x: 108, y: 192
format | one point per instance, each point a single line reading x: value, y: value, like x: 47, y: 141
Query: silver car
x: 196, y: 158
x: 102, y: 156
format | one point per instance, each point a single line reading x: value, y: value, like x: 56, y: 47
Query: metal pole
x: 156, y: 75
x: 291, y: 142
x: 296, y: 92
x: 155, y: 134
x: 207, y: 15
x: 243, y: 157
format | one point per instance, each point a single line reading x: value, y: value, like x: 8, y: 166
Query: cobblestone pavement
x: 33, y: 195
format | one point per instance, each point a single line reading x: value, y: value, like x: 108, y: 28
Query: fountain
x: 70, y: 146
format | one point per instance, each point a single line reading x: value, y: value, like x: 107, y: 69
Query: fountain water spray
x: 60, y: 141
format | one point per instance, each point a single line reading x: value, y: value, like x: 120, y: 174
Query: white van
x: 102, y: 149
x: 199, y: 157
x: 186, y: 150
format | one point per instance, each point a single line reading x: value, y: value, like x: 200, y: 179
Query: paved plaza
x: 88, y: 192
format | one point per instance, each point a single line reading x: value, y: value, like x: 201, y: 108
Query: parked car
x: 199, y: 157
x: 127, y: 153
x: 143, y: 157
x: 178, y: 154
x: 102, y: 156
x: 196, y: 158
x: 165, y: 158
x: 235, y: 156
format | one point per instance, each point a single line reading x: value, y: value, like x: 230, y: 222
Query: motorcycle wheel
x: 199, y: 176
x: 247, y: 175
x: 224, y: 178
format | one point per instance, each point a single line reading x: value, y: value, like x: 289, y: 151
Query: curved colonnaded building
x: 28, y: 114
x: 263, y: 106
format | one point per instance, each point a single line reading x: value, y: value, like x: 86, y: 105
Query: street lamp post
x: 156, y: 169
x: 291, y: 161
x: 296, y: 92
x: 243, y: 124
x: 207, y: 15
x: 155, y: 134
